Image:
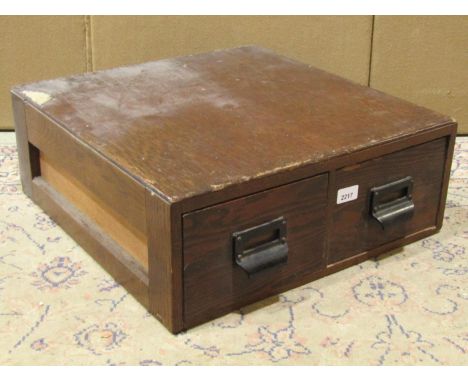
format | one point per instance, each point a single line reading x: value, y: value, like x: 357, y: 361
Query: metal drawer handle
x: 261, y: 247
x: 392, y: 201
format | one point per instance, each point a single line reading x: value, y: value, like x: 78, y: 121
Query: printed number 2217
x: 347, y: 194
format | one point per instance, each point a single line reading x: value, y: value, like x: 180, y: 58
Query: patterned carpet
x: 57, y: 306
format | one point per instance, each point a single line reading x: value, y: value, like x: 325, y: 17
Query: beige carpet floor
x: 57, y: 306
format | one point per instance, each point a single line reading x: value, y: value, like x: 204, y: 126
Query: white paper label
x: 347, y: 194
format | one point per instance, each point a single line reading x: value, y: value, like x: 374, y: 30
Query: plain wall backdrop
x: 423, y: 59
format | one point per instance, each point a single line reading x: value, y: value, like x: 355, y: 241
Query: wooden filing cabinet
x: 208, y: 182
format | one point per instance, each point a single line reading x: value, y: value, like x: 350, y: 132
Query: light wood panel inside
x: 134, y: 242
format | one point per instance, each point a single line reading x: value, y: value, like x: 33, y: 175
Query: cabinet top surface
x: 190, y: 125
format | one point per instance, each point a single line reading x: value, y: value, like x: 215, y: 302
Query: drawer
x: 250, y: 248
x: 398, y: 195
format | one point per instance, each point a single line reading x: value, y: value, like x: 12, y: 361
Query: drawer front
x: 250, y: 248
x: 398, y: 195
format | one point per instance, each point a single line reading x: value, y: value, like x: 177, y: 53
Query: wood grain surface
x: 197, y: 124
x: 214, y: 284
x: 353, y: 230
x: 133, y: 241
x: 153, y: 167
x: 110, y: 185
x: 112, y: 257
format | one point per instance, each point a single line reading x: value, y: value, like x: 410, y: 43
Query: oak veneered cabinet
x: 208, y: 182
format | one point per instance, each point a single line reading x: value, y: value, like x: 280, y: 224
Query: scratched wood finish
x: 258, y: 113
x: 185, y: 151
x: 213, y: 284
x: 353, y: 230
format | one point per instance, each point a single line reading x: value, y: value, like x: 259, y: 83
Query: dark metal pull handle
x: 261, y: 247
x: 392, y: 202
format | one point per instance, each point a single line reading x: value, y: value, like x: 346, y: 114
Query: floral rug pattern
x: 57, y: 306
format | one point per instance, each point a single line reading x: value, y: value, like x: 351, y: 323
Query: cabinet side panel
x: 165, y: 261
x: 447, y: 173
x: 92, y: 239
x: 43, y: 135
x: 64, y: 182
x: 108, y: 183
